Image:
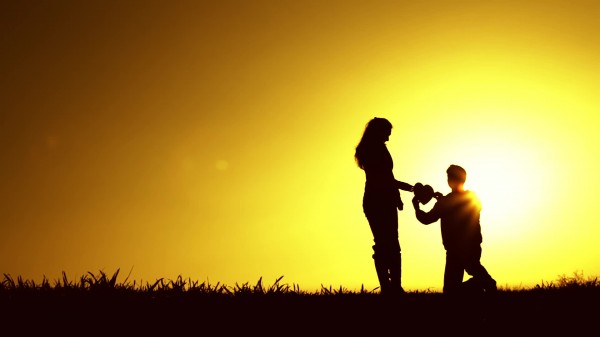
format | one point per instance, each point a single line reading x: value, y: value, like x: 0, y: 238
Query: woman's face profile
x: 379, y: 131
x: 385, y: 135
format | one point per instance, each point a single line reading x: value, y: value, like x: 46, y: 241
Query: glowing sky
x: 215, y: 140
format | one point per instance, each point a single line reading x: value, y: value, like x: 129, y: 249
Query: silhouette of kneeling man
x: 459, y: 213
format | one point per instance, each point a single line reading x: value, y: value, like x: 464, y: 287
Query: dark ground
x: 529, y: 313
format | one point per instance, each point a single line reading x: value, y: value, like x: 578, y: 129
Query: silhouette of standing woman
x: 381, y: 202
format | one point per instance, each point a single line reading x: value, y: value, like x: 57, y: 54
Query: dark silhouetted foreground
x: 99, y: 305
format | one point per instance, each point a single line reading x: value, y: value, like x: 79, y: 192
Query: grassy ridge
x: 98, y: 303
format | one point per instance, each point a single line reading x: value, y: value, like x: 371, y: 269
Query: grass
x: 102, y: 282
x: 100, y: 302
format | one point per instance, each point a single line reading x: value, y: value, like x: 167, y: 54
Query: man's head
x: 456, y: 176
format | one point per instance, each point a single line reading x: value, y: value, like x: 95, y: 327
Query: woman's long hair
x: 375, y: 132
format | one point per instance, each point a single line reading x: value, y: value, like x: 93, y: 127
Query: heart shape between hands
x: 423, y: 193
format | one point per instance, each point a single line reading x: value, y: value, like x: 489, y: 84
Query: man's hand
x: 415, y: 202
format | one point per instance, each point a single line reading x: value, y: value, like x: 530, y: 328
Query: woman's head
x: 377, y: 132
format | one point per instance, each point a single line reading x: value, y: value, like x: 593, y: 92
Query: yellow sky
x: 215, y: 140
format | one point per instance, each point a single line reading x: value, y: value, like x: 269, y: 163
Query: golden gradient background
x: 215, y: 139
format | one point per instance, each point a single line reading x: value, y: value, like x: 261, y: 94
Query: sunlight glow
x: 215, y: 139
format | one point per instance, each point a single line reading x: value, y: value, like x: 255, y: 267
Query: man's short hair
x: 456, y: 173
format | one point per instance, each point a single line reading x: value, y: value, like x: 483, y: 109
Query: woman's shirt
x: 380, y: 185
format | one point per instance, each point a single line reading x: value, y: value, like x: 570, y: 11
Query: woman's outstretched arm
x: 404, y: 186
